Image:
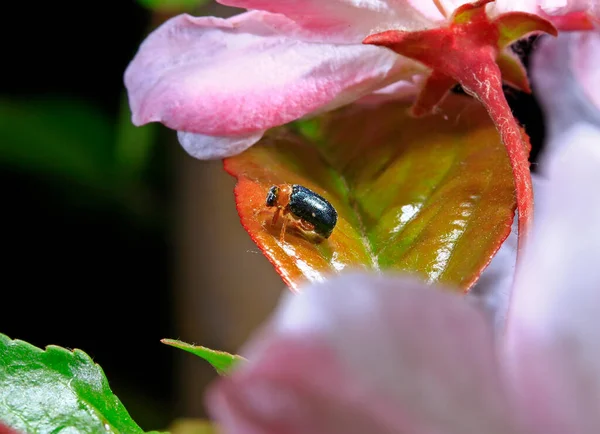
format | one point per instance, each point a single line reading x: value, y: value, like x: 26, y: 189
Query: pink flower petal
x: 213, y: 147
x: 430, y: 9
x: 441, y: 11
x: 553, y: 335
x: 398, y: 91
x: 343, y: 20
x: 368, y: 354
x: 242, y: 75
x: 503, y: 6
x: 551, y: 7
x: 553, y: 332
x: 563, y: 71
x: 295, y: 386
x: 586, y: 64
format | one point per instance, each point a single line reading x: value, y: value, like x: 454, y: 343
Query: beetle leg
x: 282, y: 233
x: 275, y: 216
x: 260, y: 214
x: 286, y: 220
x: 261, y: 211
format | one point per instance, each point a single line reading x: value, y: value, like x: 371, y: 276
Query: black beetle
x: 307, y: 209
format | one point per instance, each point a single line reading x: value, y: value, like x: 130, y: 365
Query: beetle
x: 303, y: 208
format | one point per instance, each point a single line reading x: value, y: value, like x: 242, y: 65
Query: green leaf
x: 57, y: 390
x: 192, y: 426
x: 223, y: 362
x: 432, y: 196
x: 172, y: 5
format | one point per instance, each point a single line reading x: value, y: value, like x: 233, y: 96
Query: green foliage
x: 57, y: 390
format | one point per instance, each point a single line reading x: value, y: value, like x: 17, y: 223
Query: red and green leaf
x: 432, y: 196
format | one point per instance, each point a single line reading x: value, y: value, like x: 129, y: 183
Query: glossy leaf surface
x: 57, y: 390
x: 433, y: 195
x: 219, y: 360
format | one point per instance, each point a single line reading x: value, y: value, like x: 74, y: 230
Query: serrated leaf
x: 223, y: 362
x: 433, y: 195
x: 57, y: 390
x: 193, y: 426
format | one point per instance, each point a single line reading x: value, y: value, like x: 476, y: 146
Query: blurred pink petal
x: 439, y: 12
x: 214, y: 147
x: 566, y: 15
x: 566, y: 73
x: 553, y: 332
x: 552, y: 7
x: 586, y: 64
x: 367, y: 354
x: 398, y: 91
x: 344, y: 20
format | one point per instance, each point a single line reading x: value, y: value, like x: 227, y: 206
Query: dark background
x: 81, y: 269
x: 88, y: 260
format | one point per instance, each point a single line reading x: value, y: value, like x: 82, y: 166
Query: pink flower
x: 388, y: 354
x: 221, y: 83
